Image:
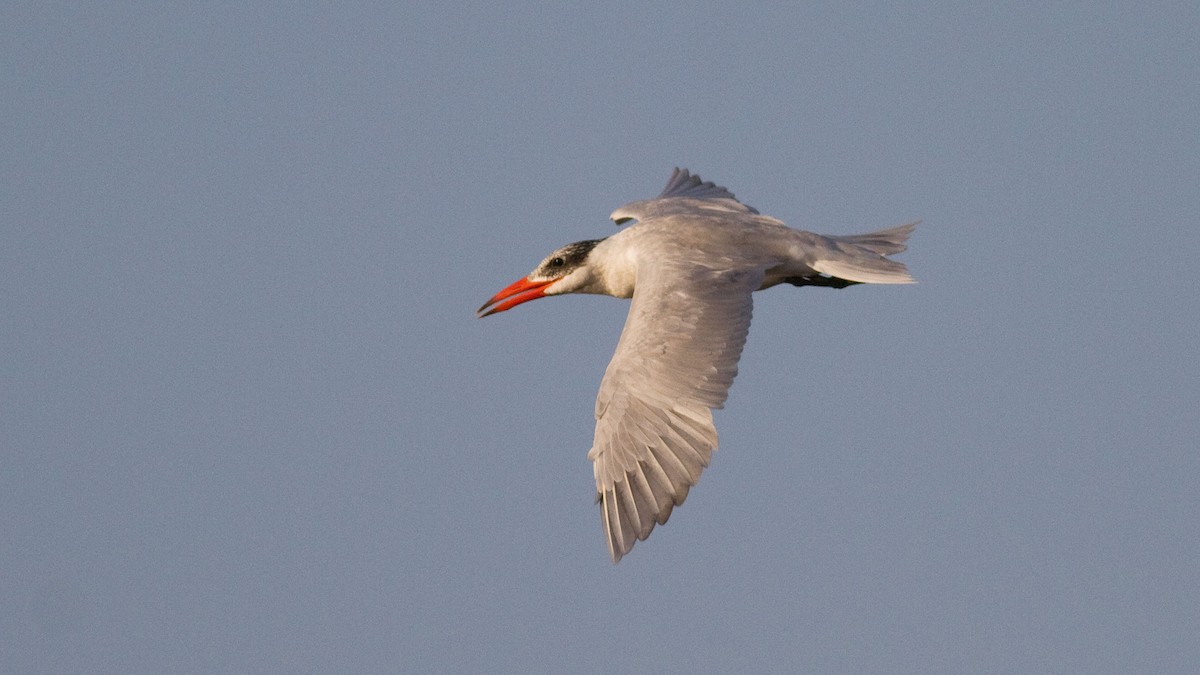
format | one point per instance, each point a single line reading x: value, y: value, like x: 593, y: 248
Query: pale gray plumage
x: 674, y: 363
x: 690, y: 264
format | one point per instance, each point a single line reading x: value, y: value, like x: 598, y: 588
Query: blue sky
x: 251, y: 424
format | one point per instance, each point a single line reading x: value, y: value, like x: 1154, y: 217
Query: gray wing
x: 673, y: 365
x: 684, y: 193
x: 686, y: 184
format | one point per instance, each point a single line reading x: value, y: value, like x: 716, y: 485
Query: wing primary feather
x: 659, y: 482
x: 692, y: 447
x: 683, y: 442
x: 628, y: 530
x: 673, y: 467
x: 629, y: 503
x: 646, y: 501
x: 682, y: 482
x: 609, y: 523
x: 701, y: 420
x: 702, y: 437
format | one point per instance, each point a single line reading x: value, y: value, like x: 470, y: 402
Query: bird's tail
x: 883, y: 242
x: 861, y: 257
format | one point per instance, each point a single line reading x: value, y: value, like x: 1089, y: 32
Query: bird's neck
x: 614, y: 268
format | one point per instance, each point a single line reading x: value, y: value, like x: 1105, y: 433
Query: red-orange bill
x: 521, y: 290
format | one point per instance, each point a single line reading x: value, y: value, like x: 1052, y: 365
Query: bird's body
x: 690, y: 264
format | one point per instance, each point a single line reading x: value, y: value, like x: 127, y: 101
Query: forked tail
x: 860, y: 258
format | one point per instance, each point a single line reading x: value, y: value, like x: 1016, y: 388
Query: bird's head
x: 566, y: 270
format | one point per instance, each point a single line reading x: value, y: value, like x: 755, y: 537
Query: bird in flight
x: 690, y: 263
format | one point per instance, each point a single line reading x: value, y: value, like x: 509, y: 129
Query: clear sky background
x: 250, y: 423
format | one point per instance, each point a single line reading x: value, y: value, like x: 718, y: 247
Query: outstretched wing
x: 673, y: 365
x: 683, y: 191
x: 685, y: 184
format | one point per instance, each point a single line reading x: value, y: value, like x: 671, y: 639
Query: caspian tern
x: 690, y: 264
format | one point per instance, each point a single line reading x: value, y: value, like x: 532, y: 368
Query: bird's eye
x: 557, y: 262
